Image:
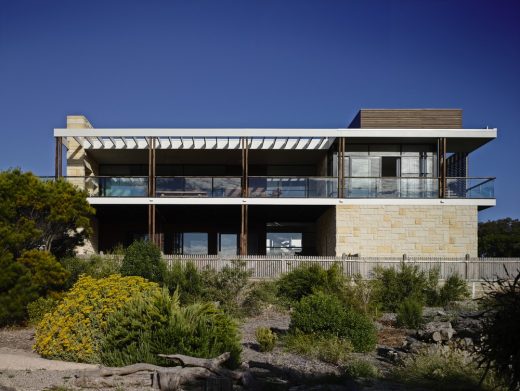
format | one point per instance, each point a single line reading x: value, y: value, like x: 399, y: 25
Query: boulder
x: 436, y: 332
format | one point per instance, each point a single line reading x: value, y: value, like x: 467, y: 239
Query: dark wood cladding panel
x: 404, y: 118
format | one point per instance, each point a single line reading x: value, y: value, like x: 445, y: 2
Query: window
x: 227, y: 244
x: 390, y: 166
x: 194, y: 243
x: 283, y: 243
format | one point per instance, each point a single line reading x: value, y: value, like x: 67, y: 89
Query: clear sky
x: 269, y: 63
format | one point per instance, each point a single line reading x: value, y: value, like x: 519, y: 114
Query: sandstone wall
x: 385, y: 230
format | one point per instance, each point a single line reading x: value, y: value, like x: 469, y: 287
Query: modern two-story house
x: 393, y: 182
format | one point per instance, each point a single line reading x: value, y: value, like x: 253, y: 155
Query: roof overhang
x: 460, y: 140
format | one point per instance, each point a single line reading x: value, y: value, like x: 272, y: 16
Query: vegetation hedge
x: 74, y: 329
x: 308, y: 279
x: 153, y: 322
x: 409, y: 313
x: 266, y: 339
x: 34, y: 274
x: 144, y: 259
x: 321, y: 313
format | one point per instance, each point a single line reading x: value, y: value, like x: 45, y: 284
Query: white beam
x: 350, y: 132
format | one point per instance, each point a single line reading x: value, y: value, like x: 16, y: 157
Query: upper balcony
x: 287, y: 187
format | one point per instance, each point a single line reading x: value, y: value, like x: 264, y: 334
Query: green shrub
x: 454, y: 289
x: 144, y: 259
x: 360, y: 330
x: 409, y: 313
x: 321, y: 313
x: 187, y: 280
x: 34, y: 274
x: 360, y: 296
x: 499, y: 344
x: 361, y: 369
x: 38, y: 308
x: 74, y: 329
x: 228, y: 286
x: 308, y: 279
x: 154, y: 322
x: 259, y: 295
x: 443, y: 369
x: 327, y: 348
x: 393, y: 286
x: 266, y: 339
x: 96, y: 266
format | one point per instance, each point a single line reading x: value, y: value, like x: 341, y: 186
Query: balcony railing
x: 286, y: 187
x: 293, y: 187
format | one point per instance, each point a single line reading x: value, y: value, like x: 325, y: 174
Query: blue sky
x: 270, y: 63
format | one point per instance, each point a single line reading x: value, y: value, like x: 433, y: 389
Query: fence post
x: 467, y: 267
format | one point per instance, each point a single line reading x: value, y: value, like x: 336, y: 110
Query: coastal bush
x: 308, y: 279
x: 409, y: 313
x: 359, y: 368
x: 324, y: 314
x: 154, y: 322
x: 228, y: 286
x: 499, y: 344
x: 266, y: 339
x: 143, y: 258
x: 319, y: 313
x: 187, y: 280
x: 34, y: 274
x: 259, y: 295
x: 360, y: 296
x: 393, y: 286
x: 75, y: 328
x: 454, y: 289
x: 96, y: 266
x: 444, y: 369
x: 327, y: 348
x: 38, y: 308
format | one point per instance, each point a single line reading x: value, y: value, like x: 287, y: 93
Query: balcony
x: 287, y: 187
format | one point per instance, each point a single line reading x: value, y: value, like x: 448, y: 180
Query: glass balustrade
x: 285, y: 187
x: 293, y: 187
x: 391, y: 187
x: 470, y: 188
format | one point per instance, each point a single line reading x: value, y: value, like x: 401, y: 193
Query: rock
x: 388, y: 353
x: 436, y: 332
x: 441, y: 313
x: 467, y: 327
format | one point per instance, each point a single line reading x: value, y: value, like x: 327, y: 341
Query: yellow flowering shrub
x: 75, y: 328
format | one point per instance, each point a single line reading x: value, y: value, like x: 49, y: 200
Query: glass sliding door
x: 227, y: 244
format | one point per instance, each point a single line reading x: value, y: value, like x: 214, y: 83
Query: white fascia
x: 304, y: 133
x: 287, y: 201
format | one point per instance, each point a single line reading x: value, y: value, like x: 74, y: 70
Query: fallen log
x: 191, y: 371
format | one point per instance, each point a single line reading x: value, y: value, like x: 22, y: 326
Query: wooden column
x: 245, y: 193
x: 151, y: 189
x: 341, y: 167
x: 58, y: 161
x: 441, y: 148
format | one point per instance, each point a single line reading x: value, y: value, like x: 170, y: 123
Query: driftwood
x: 190, y: 371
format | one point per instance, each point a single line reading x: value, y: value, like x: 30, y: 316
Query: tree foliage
x: 34, y: 274
x: 499, y: 344
x: 36, y: 214
x: 499, y: 238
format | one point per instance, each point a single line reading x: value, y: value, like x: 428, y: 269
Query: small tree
x: 36, y: 214
x: 144, y: 259
x: 499, y: 344
x: 34, y: 274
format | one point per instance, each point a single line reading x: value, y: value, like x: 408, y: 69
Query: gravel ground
x: 22, y: 369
